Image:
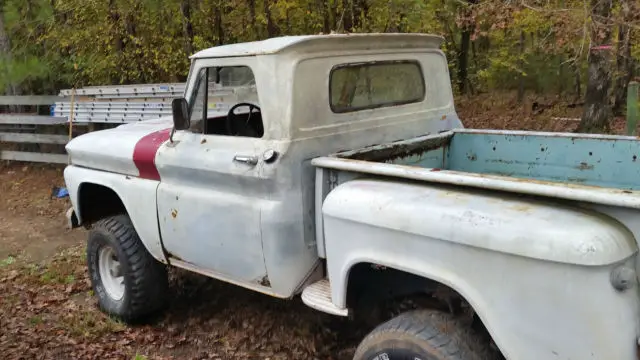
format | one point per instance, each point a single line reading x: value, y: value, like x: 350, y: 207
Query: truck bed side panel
x: 503, y: 254
x: 588, y: 160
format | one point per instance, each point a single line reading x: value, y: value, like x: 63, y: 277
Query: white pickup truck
x: 344, y: 175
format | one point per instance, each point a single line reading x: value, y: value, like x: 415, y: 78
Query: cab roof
x: 319, y: 43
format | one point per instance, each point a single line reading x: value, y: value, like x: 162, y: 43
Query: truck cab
x: 335, y: 167
x: 234, y: 185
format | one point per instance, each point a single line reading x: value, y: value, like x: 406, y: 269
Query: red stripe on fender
x: 144, y: 153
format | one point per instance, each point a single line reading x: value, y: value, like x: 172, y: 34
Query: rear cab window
x: 370, y: 85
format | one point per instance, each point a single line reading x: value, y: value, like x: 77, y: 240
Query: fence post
x: 632, y: 108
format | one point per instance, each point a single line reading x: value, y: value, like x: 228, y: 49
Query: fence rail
x: 20, y: 132
x: 30, y: 119
x: 30, y: 100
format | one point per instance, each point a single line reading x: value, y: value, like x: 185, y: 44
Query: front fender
x: 536, y: 300
x: 137, y: 195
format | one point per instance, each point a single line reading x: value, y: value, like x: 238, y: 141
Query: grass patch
x: 36, y: 320
x: 90, y: 324
x: 64, y: 269
x: 7, y: 261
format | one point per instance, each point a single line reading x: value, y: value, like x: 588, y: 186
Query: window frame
x: 203, y: 74
x: 373, y: 63
x: 194, y: 94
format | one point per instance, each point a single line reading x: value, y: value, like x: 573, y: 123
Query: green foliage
x: 8, y: 261
x: 57, y: 44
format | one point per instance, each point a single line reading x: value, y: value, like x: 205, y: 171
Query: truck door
x: 213, y: 187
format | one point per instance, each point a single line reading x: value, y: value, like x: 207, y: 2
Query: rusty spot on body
x: 522, y: 208
x: 174, y: 213
x: 397, y: 150
x: 203, y: 141
x: 584, y: 166
x: 265, y: 281
x: 171, y: 255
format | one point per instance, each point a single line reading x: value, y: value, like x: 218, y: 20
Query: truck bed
x: 600, y: 169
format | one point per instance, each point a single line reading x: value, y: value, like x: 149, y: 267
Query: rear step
x: 318, y: 296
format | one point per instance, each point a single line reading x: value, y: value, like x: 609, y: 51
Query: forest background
x: 584, y: 50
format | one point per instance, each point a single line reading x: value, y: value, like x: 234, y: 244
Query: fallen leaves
x: 48, y: 312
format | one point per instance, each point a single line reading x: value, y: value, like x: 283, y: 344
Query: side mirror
x: 180, y: 110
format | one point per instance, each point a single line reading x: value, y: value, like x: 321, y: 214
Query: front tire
x: 128, y: 282
x: 423, y: 335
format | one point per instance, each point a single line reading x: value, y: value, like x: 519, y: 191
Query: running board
x: 318, y: 296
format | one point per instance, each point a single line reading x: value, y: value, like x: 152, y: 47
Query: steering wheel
x: 238, y: 125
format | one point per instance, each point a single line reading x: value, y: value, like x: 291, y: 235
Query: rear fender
x: 537, y: 300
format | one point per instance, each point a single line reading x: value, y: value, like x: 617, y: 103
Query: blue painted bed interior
x: 599, y: 162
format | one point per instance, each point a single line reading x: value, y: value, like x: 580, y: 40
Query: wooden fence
x: 26, y: 130
x: 43, y: 129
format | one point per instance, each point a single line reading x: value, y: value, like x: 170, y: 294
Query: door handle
x: 249, y: 160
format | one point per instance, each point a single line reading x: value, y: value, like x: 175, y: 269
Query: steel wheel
x: 111, y: 273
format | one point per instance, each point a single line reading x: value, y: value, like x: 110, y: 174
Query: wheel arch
x: 95, y: 195
x: 431, y: 276
x: 90, y: 193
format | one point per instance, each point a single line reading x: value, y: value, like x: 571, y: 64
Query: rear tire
x: 128, y: 282
x: 424, y: 335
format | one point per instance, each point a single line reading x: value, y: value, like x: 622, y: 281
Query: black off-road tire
x: 145, y: 278
x: 424, y: 335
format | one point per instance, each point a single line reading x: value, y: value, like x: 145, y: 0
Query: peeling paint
x: 400, y: 149
x: 265, y: 281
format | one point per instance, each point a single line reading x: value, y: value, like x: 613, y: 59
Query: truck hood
x: 128, y: 149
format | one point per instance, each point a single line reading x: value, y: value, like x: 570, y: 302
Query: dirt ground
x: 47, y: 310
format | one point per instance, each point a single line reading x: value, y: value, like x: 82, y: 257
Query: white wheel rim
x: 111, y: 273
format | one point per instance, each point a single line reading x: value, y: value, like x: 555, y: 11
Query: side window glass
x: 224, y: 102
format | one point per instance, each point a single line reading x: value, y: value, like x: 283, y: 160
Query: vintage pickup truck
x: 343, y: 174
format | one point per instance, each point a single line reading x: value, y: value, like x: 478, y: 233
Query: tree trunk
x: 521, y: 65
x: 360, y: 15
x: 334, y: 14
x: 624, y: 63
x: 131, y: 29
x: 324, y: 10
x: 114, y: 18
x: 597, y: 107
x: 217, y: 18
x: 467, y: 26
x: 187, y: 26
x: 5, y: 62
x: 252, y: 16
x: 272, y: 28
x: 463, y: 57
x: 578, y: 83
x: 346, y: 20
